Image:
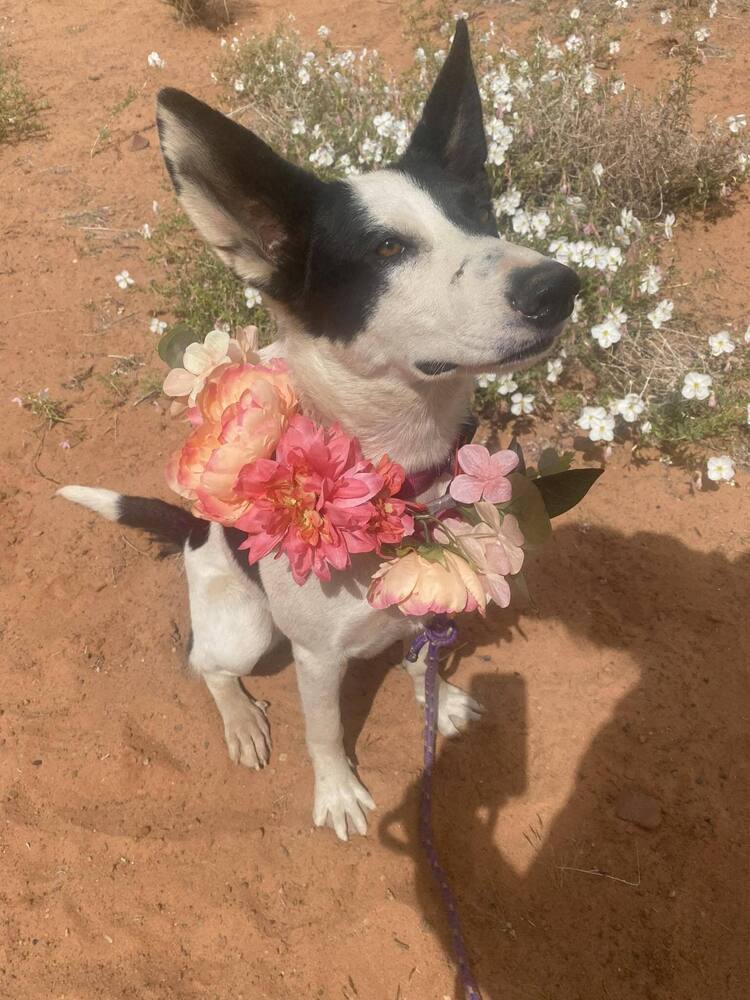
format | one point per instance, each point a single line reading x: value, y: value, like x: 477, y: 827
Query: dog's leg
x: 246, y: 728
x: 456, y: 709
x: 339, y: 797
x: 231, y: 629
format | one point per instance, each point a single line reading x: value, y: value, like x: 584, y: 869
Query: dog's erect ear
x: 451, y: 131
x: 254, y: 208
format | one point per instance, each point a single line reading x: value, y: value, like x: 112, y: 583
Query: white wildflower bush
x: 582, y: 169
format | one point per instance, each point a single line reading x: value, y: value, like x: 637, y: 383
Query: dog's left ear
x: 451, y: 131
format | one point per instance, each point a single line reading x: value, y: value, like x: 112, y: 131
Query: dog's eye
x: 390, y: 248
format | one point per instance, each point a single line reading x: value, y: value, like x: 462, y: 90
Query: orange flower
x: 241, y: 413
x: 419, y: 586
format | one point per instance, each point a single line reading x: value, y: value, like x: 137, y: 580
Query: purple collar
x: 417, y: 483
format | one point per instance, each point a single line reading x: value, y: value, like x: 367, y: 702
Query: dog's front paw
x: 456, y: 709
x: 341, y: 800
x: 248, y: 734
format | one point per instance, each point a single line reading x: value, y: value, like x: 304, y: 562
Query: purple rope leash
x: 439, y: 632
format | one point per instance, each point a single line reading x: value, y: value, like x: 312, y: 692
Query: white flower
x: 661, y: 313
x: 668, y: 224
x: 323, y: 156
x: 621, y: 4
x: 521, y: 404
x: 630, y: 407
x: 157, y: 326
x: 521, y: 223
x: 736, y: 123
x: 618, y: 86
x: 554, y: 369
x: 614, y: 48
x: 607, y: 333
x: 540, y: 223
x: 721, y: 343
x: 323, y: 32
x: 573, y: 43
x: 484, y: 381
x: 298, y: 126
x: 508, y: 202
x: 239, y: 85
x: 303, y: 76
x: 123, y: 280
x: 651, y: 280
x: 155, y: 60
x: 420, y: 56
x: 599, y: 423
x: 590, y: 80
x: 252, y: 297
x: 697, y: 385
x: 665, y: 16
x: 720, y: 469
x: 146, y: 231
x: 646, y: 427
x: 506, y: 384
x: 370, y: 151
x: 701, y: 34
x: 574, y: 14
x: 588, y: 413
x: 712, y: 8
x: 598, y: 171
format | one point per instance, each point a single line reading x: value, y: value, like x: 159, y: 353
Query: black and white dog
x: 392, y: 291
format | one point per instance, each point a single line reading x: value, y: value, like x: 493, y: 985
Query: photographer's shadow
x: 681, y: 735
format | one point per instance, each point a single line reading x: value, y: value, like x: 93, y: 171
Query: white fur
x: 104, y: 502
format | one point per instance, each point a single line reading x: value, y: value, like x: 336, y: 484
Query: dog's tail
x: 173, y: 526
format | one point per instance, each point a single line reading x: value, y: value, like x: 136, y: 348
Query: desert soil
x: 137, y: 862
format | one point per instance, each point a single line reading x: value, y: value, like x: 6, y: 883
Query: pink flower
x: 419, y: 586
x: 493, y: 547
x: 239, y: 416
x: 484, y: 475
x: 319, y: 501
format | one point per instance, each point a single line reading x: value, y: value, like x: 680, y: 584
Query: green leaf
x: 529, y: 507
x: 515, y: 447
x: 520, y: 596
x: 551, y: 462
x: 172, y: 345
x: 564, y: 490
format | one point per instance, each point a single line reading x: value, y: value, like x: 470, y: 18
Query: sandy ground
x: 137, y: 862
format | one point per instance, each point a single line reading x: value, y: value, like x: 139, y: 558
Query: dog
x: 392, y: 290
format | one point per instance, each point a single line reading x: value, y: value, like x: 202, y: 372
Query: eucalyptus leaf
x: 551, y: 461
x: 172, y: 345
x: 515, y: 447
x: 529, y: 507
x: 564, y: 490
x: 520, y: 596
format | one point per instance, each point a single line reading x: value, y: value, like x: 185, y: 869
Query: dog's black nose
x: 543, y: 294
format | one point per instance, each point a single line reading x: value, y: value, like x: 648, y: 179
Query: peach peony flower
x: 239, y: 416
x: 418, y: 586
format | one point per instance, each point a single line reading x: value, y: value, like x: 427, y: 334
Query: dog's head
x: 402, y: 267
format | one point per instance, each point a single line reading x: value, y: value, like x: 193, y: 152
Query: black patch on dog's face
x: 344, y: 275
x: 468, y: 204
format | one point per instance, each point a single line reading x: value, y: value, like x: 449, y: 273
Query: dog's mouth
x: 526, y: 355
